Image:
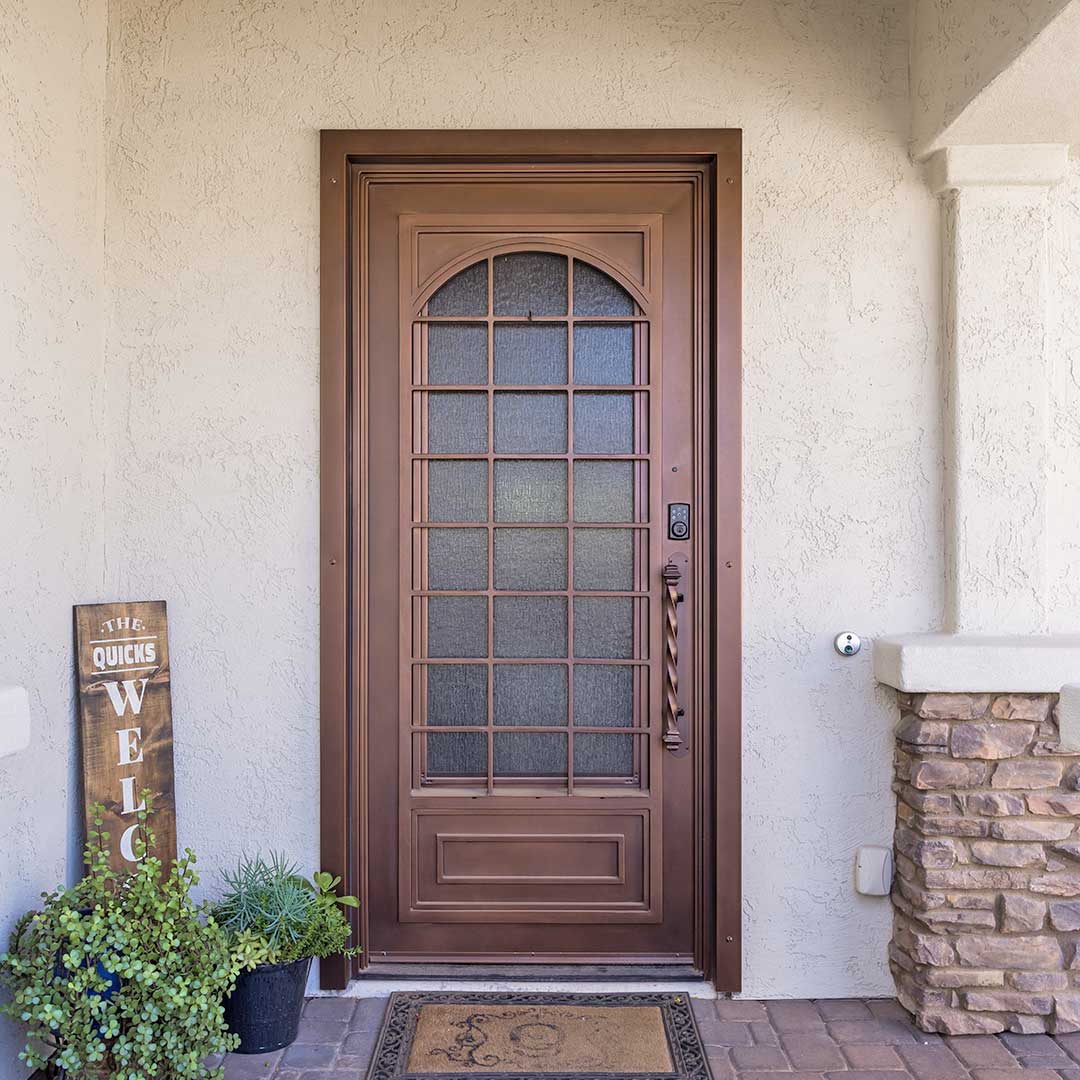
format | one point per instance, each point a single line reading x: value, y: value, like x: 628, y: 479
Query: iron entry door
x: 536, y: 401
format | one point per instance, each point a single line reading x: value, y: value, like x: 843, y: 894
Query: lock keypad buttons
x: 678, y: 521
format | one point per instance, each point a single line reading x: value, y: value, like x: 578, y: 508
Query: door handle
x: 673, y: 738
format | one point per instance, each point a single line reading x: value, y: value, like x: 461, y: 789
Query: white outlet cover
x: 14, y: 719
x: 873, y: 870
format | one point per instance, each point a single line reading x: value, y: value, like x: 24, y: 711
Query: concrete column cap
x: 1007, y: 165
x: 977, y: 663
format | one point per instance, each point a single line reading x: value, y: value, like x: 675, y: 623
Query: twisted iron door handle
x: 673, y: 713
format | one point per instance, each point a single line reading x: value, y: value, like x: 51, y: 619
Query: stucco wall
x: 213, y: 361
x: 1033, y: 99
x: 1063, y: 495
x: 960, y: 46
x: 52, y: 81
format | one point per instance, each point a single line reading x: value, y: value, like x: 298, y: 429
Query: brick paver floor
x: 759, y: 1040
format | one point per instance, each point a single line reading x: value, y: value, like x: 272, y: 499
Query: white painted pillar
x: 995, y: 217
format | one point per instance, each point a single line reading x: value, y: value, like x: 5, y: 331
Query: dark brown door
x: 532, y: 378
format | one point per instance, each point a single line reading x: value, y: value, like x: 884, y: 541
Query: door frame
x: 713, y: 160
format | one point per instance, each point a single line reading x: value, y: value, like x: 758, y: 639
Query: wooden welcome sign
x: 125, y: 712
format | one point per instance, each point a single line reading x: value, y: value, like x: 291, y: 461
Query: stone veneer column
x: 986, y: 933
x: 995, y: 291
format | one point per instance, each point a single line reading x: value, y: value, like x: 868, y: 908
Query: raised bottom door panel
x: 547, y: 865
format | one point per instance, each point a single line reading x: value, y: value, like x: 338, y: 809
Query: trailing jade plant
x: 122, y: 976
x: 278, y: 916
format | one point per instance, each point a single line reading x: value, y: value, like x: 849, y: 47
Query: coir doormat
x: 446, y: 1036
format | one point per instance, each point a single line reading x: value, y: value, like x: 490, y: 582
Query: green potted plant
x: 122, y: 976
x: 280, y: 921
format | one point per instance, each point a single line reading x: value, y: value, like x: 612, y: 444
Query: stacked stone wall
x: 986, y: 933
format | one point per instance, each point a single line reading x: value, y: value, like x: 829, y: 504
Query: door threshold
x: 378, y: 980
x: 388, y: 969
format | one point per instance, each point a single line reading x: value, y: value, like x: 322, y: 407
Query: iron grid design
x: 585, y: 301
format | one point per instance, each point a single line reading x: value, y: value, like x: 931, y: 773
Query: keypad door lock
x: 678, y: 521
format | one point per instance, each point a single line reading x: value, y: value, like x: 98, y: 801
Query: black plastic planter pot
x: 264, y: 1009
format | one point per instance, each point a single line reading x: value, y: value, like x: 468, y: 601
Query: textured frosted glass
x: 530, y: 695
x: 604, y: 559
x: 604, y: 627
x: 457, y: 423
x: 603, y: 423
x: 603, y: 755
x: 525, y: 753
x: 603, y: 491
x: 457, y: 626
x: 530, y: 491
x: 457, y: 558
x: 603, y: 695
x: 530, y: 423
x: 456, y: 694
x: 530, y: 283
x: 457, y: 753
x: 464, y: 294
x: 530, y: 559
x: 456, y: 354
x: 597, y: 294
x: 530, y: 354
x: 457, y: 491
x: 603, y: 355
x: 530, y: 626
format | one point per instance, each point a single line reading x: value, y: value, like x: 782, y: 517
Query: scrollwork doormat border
x: 394, y: 1047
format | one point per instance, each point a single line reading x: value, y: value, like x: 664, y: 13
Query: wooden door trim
x: 348, y: 160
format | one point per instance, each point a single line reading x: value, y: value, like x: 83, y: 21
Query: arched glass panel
x: 464, y: 294
x: 529, y: 427
x: 530, y: 283
x: 595, y: 293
